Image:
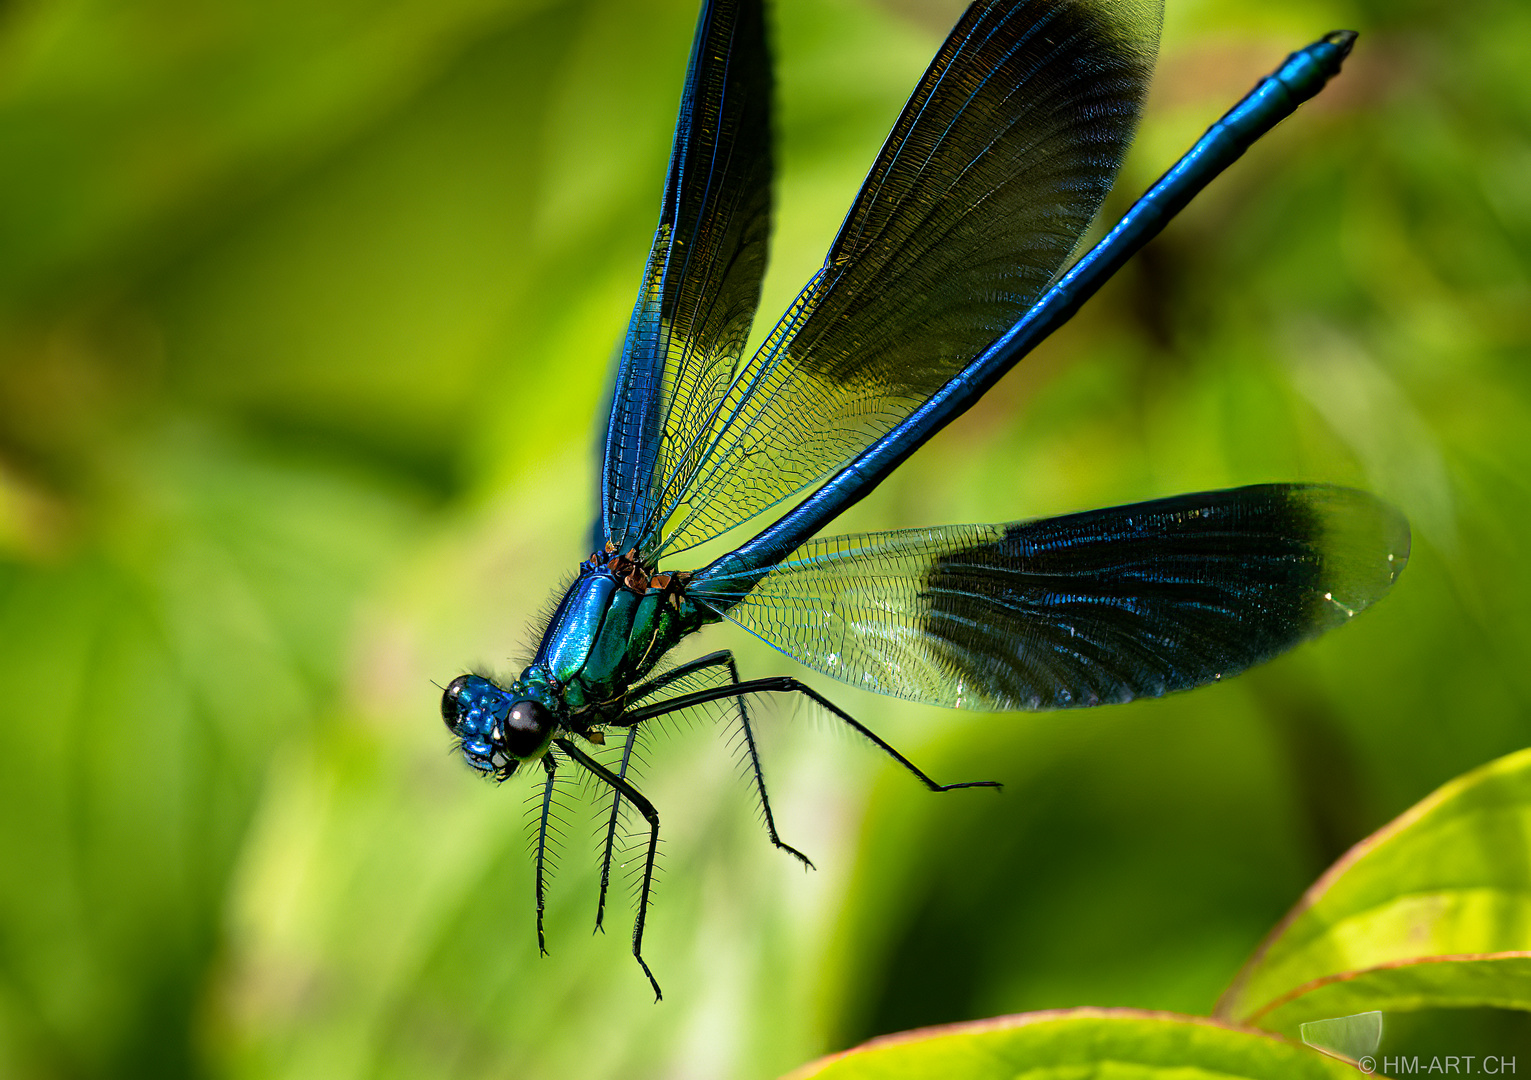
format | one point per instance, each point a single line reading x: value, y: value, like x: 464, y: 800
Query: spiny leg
x: 787, y: 685
x: 765, y: 800
x: 651, y: 815
x: 722, y: 658
x: 611, y: 826
x: 657, y: 683
x: 551, y: 767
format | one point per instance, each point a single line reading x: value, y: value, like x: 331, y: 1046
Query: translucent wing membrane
x: 702, y: 283
x: 1105, y: 606
x: 992, y: 173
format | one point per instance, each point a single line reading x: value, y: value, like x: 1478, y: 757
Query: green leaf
x: 1500, y: 982
x: 127, y: 126
x: 149, y: 674
x: 1124, y: 1044
x: 1433, y: 911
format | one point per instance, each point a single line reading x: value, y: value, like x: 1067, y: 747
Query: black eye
x: 527, y: 728
x: 450, y: 711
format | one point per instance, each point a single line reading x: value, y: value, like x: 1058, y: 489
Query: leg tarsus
x: 792, y: 685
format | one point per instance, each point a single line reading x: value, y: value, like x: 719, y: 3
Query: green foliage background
x: 305, y: 314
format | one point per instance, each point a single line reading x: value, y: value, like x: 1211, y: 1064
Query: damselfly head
x: 474, y: 709
x: 499, y: 728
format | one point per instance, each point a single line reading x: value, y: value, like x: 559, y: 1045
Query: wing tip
x: 1364, y: 543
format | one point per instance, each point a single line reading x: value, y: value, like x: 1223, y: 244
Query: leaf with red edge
x: 1121, y: 1043
x: 1432, y: 911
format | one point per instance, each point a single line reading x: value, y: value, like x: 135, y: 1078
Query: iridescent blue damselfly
x: 944, y: 274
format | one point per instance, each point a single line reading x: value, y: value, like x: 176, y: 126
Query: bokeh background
x: 305, y: 314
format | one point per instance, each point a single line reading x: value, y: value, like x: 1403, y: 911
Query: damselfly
x: 945, y: 273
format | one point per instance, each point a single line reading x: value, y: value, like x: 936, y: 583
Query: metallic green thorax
x: 612, y: 626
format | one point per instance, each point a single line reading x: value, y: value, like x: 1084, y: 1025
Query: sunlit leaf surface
x: 1080, y: 1042
x: 1432, y: 911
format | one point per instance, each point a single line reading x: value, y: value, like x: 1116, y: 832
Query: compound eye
x: 451, y: 710
x: 527, y: 728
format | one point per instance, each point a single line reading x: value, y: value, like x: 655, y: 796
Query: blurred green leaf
x: 147, y: 678
x: 1120, y: 1043
x: 129, y: 127
x: 1432, y: 911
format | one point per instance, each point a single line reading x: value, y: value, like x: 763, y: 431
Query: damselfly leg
x: 720, y: 659
x: 646, y: 808
x: 551, y: 767
x: 784, y: 684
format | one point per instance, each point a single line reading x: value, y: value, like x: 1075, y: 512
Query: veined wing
x: 702, y: 282
x: 991, y: 175
x: 1104, y: 606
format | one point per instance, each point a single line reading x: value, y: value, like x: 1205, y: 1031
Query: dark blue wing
x: 1105, y: 606
x: 991, y: 175
x: 702, y: 283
